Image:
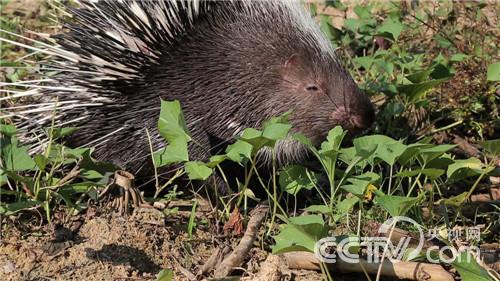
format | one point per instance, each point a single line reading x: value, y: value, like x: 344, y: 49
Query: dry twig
x: 235, y: 259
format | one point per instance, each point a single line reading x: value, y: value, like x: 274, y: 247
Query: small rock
x: 8, y: 267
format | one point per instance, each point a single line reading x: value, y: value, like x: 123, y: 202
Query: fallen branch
x: 493, y: 194
x: 400, y: 270
x: 490, y: 254
x: 236, y: 258
x: 465, y: 146
x: 213, y: 260
x: 372, y: 230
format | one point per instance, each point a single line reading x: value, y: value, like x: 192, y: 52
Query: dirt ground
x: 107, y: 246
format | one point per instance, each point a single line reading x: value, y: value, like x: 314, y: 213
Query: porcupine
x: 231, y: 64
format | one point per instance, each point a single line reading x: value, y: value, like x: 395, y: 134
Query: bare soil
x: 107, y: 246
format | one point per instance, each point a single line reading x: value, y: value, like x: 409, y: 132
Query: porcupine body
x: 232, y: 65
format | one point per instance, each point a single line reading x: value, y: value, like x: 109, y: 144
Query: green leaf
x: 418, y: 90
x: 166, y: 274
x: 395, y: 205
x: 330, y: 147
x: 456, y: 200
x: 366, y: 62
x: 14, y: 157
x: 216, y: 160
x: 280, y: 119
x: 459, y: 57
x: 491, y: 146
x: 172, y: 127
x: 464, y: 168
x: 429, y: 172
x: 80, y: 187
x: 328, y: 29
x: 442, y: 162
x: 411, y: 152
x: 61, y: 154
x: 469, y: 269
x: 352, y: 24
x: 76, y: 153
x: 12, y: 208
x: 300, y: 234
x: 8, y: 130
x: 347, y: 155
x: 360, y: 183
x: 320, y: 209
x: 4, y: 174
x: 363, y: 12
x: 391, y: 26
x: 366, y: 147
x: 176, y: 151
x: 249, y: 193
x: 95, y: 170
x: 433, y: 152
x: 421, y: 76
x: 303, y: 140
x: 390, y: 151
x: 294, y: 177
x: 441, y: 71
x: 337, y: 4
x: 239, y: 151
x: 171, y: 124
x: 254, y: 138
x: 276, y: 131
x: 493, y: 73
x: 197, y: 170
x: 251, y: 133
x: 386, y: 66
x: 443, y: 42
x: 351, y: 158
x: 61, y: 132
x: 440, y: 59
x: 41, y: 161
x: 353, y: 246
x: 345, y: 205
x: 335, y: 137
x: 379, y: 147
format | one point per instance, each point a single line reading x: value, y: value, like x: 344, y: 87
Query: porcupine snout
x: 356, y: 115
x: 362, y: 113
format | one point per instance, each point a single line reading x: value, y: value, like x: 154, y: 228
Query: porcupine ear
x: 298, y: 76
x: 293, y: 70
x: 291, y: 62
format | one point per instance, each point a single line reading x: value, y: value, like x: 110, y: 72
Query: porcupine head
x: 232, y: 65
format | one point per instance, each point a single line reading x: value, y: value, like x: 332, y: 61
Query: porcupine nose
x: 362, y: 113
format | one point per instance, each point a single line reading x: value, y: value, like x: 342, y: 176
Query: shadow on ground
x: 124, y: 255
